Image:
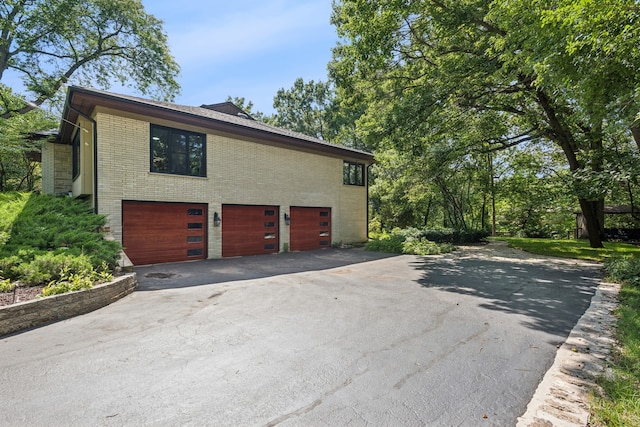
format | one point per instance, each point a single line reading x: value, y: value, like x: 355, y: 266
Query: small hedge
x: 422, y: 242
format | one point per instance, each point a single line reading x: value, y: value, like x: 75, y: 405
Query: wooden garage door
x: 249, y: 230
x: 164, y: 232
x: 310, y: 228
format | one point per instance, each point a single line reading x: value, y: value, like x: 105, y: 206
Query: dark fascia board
x: 85, y: 100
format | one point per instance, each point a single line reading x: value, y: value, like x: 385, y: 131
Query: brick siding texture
x: 238, y: 172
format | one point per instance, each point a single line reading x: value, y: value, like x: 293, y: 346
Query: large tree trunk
x: 593, y: 211
x: 635, y: 131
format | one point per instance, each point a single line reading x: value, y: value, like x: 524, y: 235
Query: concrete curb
x: 29, y: 314
x: 562, y: 398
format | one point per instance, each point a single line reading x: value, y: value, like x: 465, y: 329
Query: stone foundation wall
x: 28, y: 314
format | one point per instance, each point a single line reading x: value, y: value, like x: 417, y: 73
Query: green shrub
x: 70, y: 281
x: 407, y: 241
x: 50, y: 267
x: 623, y: 270
x: 43, y: 234
x: 391, y: 244
x: 6, y: 285
x: 426, y: 247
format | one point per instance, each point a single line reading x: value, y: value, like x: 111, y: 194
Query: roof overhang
x: 85, y: 100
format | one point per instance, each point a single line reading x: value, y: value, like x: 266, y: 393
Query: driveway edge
x: 29, y: 314
x: 562, y: 397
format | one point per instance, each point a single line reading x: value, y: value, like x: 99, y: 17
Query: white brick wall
x: 238, y: 172
x: 56, y: 168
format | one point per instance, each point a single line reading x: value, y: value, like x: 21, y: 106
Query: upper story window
x: 178, y: 152
x: 353, y: 173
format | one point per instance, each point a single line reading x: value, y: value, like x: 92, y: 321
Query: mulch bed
x: 19, y: 294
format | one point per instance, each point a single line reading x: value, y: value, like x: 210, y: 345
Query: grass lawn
x: 578, y: 249
x: 619, y: 404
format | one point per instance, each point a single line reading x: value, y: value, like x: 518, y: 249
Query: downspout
x: 95, y: 153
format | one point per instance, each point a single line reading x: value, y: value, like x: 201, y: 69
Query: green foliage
x: 619, y: 405
x: 421, y: 242
x: 579, y: 249
x: 623, y: 269
x: 6, y: 285
x: 51, y: 266
x: 444, y: 83
x: 18, y: 169
x: 51, y: 236
x: 305, y: 108
x: 51, y: 42
x: 69, y: 281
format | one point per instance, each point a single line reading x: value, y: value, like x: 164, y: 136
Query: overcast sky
x: 245, y: 48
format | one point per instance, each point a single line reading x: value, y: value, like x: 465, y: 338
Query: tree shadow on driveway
x: 210, y: 271
x: 552, y: 294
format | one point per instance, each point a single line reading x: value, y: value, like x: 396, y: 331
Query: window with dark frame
x: 353, y: 173
x: 178, y: 152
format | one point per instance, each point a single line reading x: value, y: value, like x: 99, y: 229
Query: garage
x: 310, y: 228
x: 156, y: 232
x: 250, y: 230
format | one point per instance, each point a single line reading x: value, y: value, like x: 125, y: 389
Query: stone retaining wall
x: 28, y: 314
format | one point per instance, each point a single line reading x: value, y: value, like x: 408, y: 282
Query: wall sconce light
x: 287, y: 219
x: 216, y: 219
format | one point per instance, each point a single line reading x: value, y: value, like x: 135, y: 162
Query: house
x: 183, y: 183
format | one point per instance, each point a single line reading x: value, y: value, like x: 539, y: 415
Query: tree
x: 305, y: 108
x: 247, y: 106
x: 49, y: 43
x: 496, y: 74
x: 19, y: 171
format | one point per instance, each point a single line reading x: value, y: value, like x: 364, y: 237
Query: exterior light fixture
x: 216, y: 219
x: 287, y: 219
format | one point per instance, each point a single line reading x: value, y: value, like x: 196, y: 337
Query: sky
x: 239, y: 48
x: 245, y: 48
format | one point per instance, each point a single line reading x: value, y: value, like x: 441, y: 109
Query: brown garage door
x: 164, y: 232
x: 310, y: 228
x: 249, y: 230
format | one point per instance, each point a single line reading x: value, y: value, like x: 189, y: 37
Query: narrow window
x: 269, y: 212
x: 194, y: 212
x: 194, y: 225
x: 75, y: 153
x: 194, y: 239
x: 353, y: 173
x: 194, y: 252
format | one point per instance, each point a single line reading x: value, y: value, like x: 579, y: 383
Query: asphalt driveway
x: 335, y: 337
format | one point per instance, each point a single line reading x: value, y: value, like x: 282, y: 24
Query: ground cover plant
x: 52, y: 242
x: 415, y: 241
x: 618, y: 402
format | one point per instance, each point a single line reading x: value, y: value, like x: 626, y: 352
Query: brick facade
x: 238, y: 172
x: 56, y: 168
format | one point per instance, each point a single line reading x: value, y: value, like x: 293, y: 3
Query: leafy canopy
x: 49, y: 43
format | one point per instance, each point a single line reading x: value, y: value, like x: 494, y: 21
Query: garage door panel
x: 249, y: 230
x: 155, y: 232
x: 310, y: 228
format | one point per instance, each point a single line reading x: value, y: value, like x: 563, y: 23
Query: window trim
x: 171, y: 132
x: 359, y: 176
